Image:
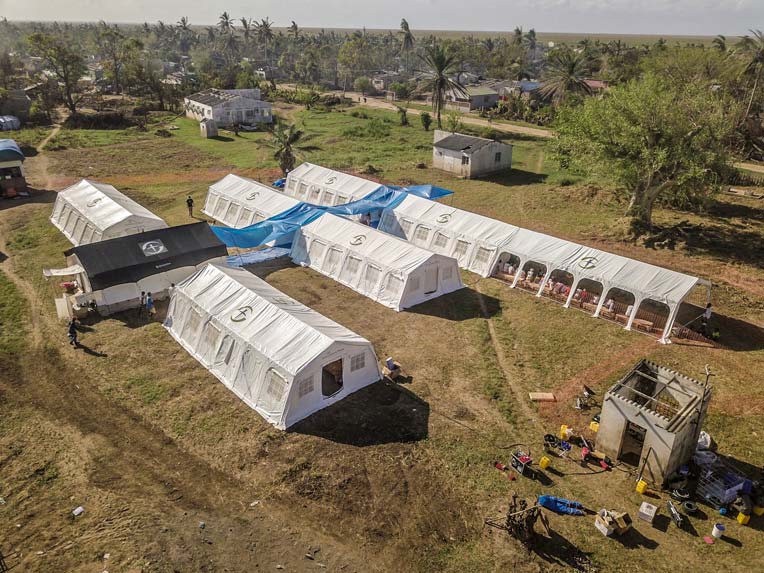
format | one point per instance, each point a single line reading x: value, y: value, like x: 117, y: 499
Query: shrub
x: 426, y: 120
x: 102, y: 120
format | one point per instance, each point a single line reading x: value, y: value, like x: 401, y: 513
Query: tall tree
x: 265, y: 34
x: 407, y: 41
x: 65, y: 59
x: 657, y: 140
x: 294, y: 31
x: 565, y: 74
x: 112, y: 46
x: 225, y: 23
x: 752, y: 50
x: 440, y: 67
x: 720, y: 43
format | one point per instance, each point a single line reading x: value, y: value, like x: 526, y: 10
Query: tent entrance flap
x: 331, y: 378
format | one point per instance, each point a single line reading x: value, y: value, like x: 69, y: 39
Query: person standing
x: 72, y: 333
x: 708, y: 313
x: 142, y: 304
x: 190, y: 205
x: 152, y: 310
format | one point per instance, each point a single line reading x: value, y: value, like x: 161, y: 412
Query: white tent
x: 322, y: 186
x: 480, y: 244
x: 384, y: 268
x: 280, y: 357
x: 238, y: 202
x: 88, y: 212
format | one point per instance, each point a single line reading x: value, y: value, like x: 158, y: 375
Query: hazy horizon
x: 608, y: 17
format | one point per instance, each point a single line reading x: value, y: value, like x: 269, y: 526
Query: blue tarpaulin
x: 428, y: 191
x: 280, y: 228
x: 10, y: 151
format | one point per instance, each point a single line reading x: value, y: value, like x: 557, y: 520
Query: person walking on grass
x: 150, y: 307
x: 142, y: 304
x: 190, y: 205
x: 72, y: 333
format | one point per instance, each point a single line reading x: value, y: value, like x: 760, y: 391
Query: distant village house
x: 477, y: 97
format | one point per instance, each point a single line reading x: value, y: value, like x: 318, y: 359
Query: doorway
x: 331, y: 378
x: 430, y: 279
x: 633, y: 442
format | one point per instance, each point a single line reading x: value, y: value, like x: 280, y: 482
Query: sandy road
x: 378, y: 103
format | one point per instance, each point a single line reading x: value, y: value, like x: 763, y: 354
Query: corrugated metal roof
x: 465, y: 143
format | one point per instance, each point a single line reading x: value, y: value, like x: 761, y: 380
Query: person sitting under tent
x: 366, y: 219
x: 531, y: 275
x: 610, y: 304
x: 521, y: 276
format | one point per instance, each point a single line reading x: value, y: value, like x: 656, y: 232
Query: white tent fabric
x: 238, y: 202
x: 88, y: 212
x: 479, y: 243
x: 378, y: 265
x: 322, y: 186
x: 279, y: 356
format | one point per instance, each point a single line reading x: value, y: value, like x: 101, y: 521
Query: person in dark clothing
x: 190, y: 205
x: 142, y: 303
x: 72, y: 333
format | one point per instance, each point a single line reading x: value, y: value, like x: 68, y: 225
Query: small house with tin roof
x: 469, y: 157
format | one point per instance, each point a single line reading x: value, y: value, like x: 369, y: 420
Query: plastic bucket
x: 544, y: 462
x: 743, y: 519
x: 390, y: 363
x: 563, y: 432
x: 717, y: 531
x: 641, y: 486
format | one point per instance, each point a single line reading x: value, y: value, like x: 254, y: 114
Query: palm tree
x: 440, y: 66
x: 720, y: 43
x: 284, y: 140
x: 246, y: 27
x: 530, y: 40
x: 264, y: 30
x: 407, y: 40
x: 517, y: 36
x: 566, y: 74
x: 752, y: 49
x: 294, y: 31
x: 225, y: 23
x: 211, y: 34
x: 231, y: 48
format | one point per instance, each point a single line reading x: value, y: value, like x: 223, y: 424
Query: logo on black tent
x: 358, y: 240
x: 242, y: 314
x: 151, y: 248
x: 94, y: 202
x: 588, y: 263
x: 444, y: 218
x: 252, y: 196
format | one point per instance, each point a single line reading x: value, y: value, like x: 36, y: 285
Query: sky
x: 667, y: 17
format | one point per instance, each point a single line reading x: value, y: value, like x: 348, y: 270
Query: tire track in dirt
x: 505, y: 364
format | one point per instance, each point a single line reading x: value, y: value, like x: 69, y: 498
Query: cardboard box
x: 647, y: 512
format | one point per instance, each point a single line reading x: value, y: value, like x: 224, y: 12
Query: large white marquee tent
x: 88, y: 212
x: 322, y: 186
x: 239, y: 202
x: 283, y: 359
x: 479, y: 243
x: 380, y: 266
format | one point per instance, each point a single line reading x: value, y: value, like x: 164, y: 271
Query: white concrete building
x: 469, y: 157
x: 228, y: 107
x: 654, y: 416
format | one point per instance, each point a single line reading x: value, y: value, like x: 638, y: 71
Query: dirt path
x: 755, y: 167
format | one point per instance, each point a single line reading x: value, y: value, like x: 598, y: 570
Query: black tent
x: 135, y: 257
